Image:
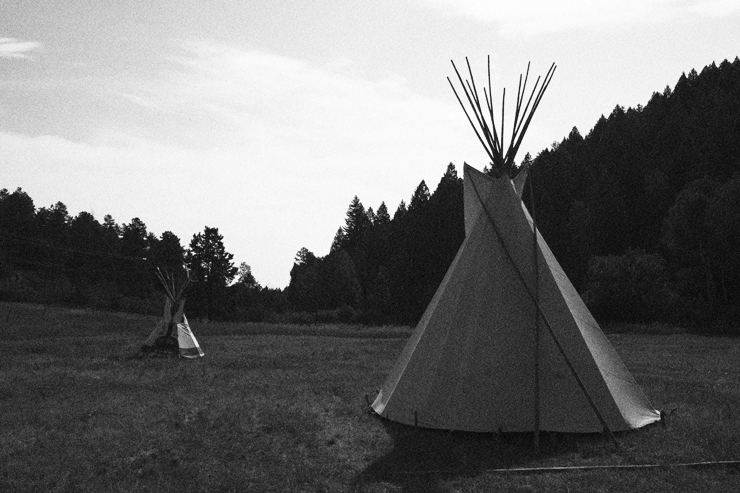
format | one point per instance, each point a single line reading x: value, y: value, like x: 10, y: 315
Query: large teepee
x: 506, y: 343
x: 173, y: 334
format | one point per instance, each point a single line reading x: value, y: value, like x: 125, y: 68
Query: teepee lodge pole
x: 536, y: 320
x: 501, y: 159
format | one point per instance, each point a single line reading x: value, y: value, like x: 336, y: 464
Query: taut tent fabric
x: 470, y: 363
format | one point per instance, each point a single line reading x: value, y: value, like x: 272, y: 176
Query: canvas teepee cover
x: 470, y: 364
x: 173, y: 330
x: 175, y: 325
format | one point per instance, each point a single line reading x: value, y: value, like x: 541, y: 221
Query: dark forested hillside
x: 643, y: 214
x: 633, y: 164
x: 656, y: 184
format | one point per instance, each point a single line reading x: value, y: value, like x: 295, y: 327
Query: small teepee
x: 507, y: 344
x: 172, y: 335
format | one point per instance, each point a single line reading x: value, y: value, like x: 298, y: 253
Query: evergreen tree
x: 343, y: 286
x: 246, y: 301
x: 167, y: 253
x: 304, y: 257
x: 17, y: 229
x: 304, y: 290
x: 111, y: 238
x: 382, y: 216
x: 379, y: 301
x: 52, y: 227
x: 53, y: 223
x: 16, y: 212
x: 400, y: 211
x: 450, y: 175
x: 356, y: 223
x: 246, y: 278
x: 420, y: 197
x: 338, y: 241
x: 446, y: 225
x: 371, y: 216
x: 211, y: 268
x: 110, y: 224
x: 88, y: 260
x: 134, y: 239
x: 134, y: 249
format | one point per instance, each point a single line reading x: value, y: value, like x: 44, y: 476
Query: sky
x: 265, y: 118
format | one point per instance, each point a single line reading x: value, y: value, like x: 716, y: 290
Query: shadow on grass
x: 424, y: 459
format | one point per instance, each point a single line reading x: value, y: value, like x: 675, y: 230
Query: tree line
x: 643, y: 214
x: 47, y: 256
x: 383, y: 269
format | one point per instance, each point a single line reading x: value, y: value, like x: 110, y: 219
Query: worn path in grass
x: 283, y: 409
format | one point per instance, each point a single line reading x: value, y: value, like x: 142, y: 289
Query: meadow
x: 283, y: 408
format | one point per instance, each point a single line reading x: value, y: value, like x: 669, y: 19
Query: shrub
x: 327, y: 316
x: 17, y: 289
x: 302, y: 318
x: 633, y: 287
x: 347, y: 314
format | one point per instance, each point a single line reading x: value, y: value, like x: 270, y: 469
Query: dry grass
x: 283, y: 409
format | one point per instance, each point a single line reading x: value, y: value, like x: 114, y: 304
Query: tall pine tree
x: 356, y: 223
x: 211, y: 268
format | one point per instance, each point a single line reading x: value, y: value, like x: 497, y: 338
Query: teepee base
x: 165, y: 346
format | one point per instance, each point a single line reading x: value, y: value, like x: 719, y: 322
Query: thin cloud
x: 327, y: 122
x: 255, y: 99
x: 14, y: 48
x: 528, y: 17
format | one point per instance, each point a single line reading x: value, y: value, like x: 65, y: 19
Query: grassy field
x: 282, y: 408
